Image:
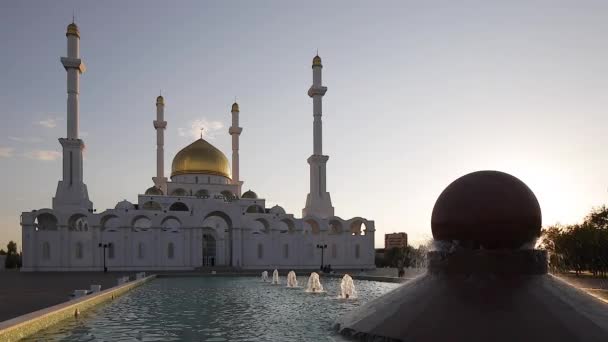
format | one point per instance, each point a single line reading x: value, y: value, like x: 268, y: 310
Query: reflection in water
x: 215, y: 309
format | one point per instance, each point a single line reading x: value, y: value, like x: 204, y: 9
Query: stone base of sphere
x: 508, y: 262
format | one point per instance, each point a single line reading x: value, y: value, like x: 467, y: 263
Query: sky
x: 419, y: 94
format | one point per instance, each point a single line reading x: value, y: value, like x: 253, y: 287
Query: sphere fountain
x: 347, y: 288
x: 275, y: 277
x: 486, y: 283
x: 314, y: 283
x: 292, y: 280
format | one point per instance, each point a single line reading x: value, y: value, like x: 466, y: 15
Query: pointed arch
x: 356, y: 224
x: 171, y: 224
x: 315, y: 226
x: 78, y: 223
x: 178, y: 206
x: 291, y: 225
x: 152, y: 205
x: 45, y: 221
x: 110, y: 223
x: 255, y: 209
x: 220, y: 214
x: 335, y: 226
x: 264, y: 223
x: 141, y: 223
x: 202, y: 193
x: 179, y: 192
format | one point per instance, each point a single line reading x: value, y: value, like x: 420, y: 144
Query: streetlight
x: 104, y: 246
x: 322, y: 247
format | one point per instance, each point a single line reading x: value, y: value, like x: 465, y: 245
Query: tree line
x: 13, y: 258
x: 403, y: 257
x: 581, y: 247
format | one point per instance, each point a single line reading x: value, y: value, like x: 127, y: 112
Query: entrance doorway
x: 208, y: 250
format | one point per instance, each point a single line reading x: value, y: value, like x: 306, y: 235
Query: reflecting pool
x: 217, y: 309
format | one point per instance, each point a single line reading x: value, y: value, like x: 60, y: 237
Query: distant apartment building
x: 393, y: 240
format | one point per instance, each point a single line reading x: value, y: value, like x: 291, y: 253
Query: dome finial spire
x: 202, y: 128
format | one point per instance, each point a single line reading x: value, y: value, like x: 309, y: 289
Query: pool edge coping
x: 20, y: 327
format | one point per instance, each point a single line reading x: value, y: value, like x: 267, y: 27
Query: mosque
x: 196, y: 219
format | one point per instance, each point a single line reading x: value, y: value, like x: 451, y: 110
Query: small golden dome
x: 72, y: 30
x: 249, y: 194
x: 316, y: 61
x: 160, y: 100
x: 200, y: 157
x: 154, y: 191
x: 235, y: 107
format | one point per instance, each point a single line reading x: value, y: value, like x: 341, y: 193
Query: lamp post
x: 322, y: 247
x: 104, y: 246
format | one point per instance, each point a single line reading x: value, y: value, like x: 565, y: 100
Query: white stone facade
x: 194, y: 220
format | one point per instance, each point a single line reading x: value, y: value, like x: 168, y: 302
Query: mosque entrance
x: 208, y: 250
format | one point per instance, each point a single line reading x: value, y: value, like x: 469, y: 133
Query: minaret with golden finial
x: 160, y: 181
x: 235, y: 132
x: 71, y: 190
x: 318, y: 201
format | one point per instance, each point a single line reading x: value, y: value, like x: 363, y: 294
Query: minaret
x: 318, y: 201
x: 71, y: 190
x: 160, y: 181
x: 235, y: 132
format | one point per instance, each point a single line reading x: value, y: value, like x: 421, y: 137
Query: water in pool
x: 217, y: 309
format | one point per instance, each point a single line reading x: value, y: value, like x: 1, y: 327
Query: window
x: 357, y: 251
x: 46, y: 251
x: 79, y: 250
x: 110, y: 251
x: 334, y: 251
x: 170, y: 250
x: 140, y: 250
x: 260, y: 251
x: 286, y: 251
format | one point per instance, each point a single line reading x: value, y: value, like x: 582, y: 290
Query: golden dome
x: 249, y: 194
x: 200, y: 157
x: 73, y: 30
x: 316, y: 61
x: 154, y: 191
x: 235, y: 107
x: 160, y: 100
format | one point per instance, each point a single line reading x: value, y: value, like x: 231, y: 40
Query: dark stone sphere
x: 491, y: 209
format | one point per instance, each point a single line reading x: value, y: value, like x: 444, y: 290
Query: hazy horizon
x: 418, y: 95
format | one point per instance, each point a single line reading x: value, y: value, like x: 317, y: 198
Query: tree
x: 12, y: 257
x: 393, y: 257
x: 579, y: 247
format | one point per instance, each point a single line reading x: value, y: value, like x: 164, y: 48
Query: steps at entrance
x: 217, y: 269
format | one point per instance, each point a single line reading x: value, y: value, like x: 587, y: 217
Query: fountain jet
x: 347, y: 287
x: 265, y: 276
x: 314, y: 284
x: 292, y: 281
x: 275, y: 277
